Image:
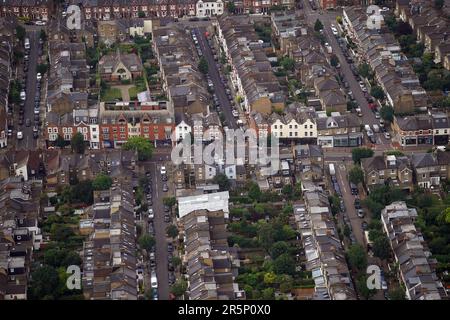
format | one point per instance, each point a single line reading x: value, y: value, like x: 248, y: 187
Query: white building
x: 290, y: 127
x: 212, y: 202
x: 208, y: 8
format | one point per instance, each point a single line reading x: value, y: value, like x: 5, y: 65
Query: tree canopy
x: 77, y: 143
x: 102, y: 182
x: 142, y: 145
x: 360, y: 153
x: 222, y: 180
x: 356, y: 175
x: 357, y: 257
x: 147, y: 242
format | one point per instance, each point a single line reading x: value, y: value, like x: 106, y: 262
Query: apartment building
x: 28, y: 9
x: 431, y: 169
x: 299, y: 126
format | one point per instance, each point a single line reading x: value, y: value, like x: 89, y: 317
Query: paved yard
x: 124, y: 89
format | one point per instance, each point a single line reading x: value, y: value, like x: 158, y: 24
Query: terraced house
x: 251, y: 71
x: 118, y: 9
x: 30, y: 9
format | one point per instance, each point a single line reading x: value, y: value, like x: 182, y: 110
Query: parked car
x: 165, y: 187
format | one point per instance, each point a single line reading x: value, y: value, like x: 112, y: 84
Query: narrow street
x: 214, y: 73
x: 160, y: 230
x: 28, y: 142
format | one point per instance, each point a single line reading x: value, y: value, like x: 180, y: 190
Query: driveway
x: 124, y: 91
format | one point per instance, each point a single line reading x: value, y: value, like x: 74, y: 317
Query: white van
x: 27, y: 43
x: 154, y: 281
x: 367, y: 128
x: 19, y: 135
x: 376, y: 128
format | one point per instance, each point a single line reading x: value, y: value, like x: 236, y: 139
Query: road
x: 160, y: 231
x: 214, y: 73
x: 28, y: 142
x: 328, y: 18
x: 341, y: 175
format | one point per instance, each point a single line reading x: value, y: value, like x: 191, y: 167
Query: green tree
x: 269, y: 278
x: 334, y: 60
x: 318, y: 25
x: 172, y: 231
x: 203, y: 65
x: 222, y: 180
x: 43, y: 35
x: 42, y: 68
x: 254, y: 192
x: 147, y: 242
x: 347, y: 231
x: 60, y: 142
x: 279, y: 248
x: 169, y: 201
x: 61, y: 232
x: 364, y: 291
x: 387, y: 113
x: 377, y: 92
x: 339, y: 19
x: 268, y: 294
x: 231, y: 7
x: 176, y: 261
x: 357, y: 257
x: 265, y: 234
x: 179, y: 288
x: 360, y: 153
x: 141, y: 14
x: 77, y: 143
x: 397, y: 294
x: 364, y: 70
x: 20, y: 33
x: 44, y: 283
x: 284, y: 264
x: 356, y: 175
x: 439, y: 4
x: 102, y: 182
x: 287, y: 63
x: 142, y: 145
x: 381, y: 247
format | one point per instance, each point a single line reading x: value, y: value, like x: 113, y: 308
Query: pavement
x: 214, y: 73
x: 124, y: 90
x: 28, y: 142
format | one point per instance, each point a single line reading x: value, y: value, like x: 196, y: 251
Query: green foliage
x: 20, y: 33
x: 61, y: 257
x: 360, y: 153
x: 284, y: 264
x: 142, y: 145
x: 77, y: 143
x: 147, y: 242
x: 179, y: 288
x: 222, y: 180
x: 287, y: 63
x: 364, y: 291
x: 102, y: 182
x: 334, y: 60
x: 382, y: 196
x: 387, y: 113
x: 254, y: 192
x: 61, y: 232
x: 279, y: 248
x: 377, y: 92
x: 381, y: 247
x: 42, y: 68
x: 44, y: 283
x: 357, y: 257
x: 364, y: 70
x: 172, y: 231
x: 203, y: 65
x: 318, y: 25
x: 397, y: 294
x: 169, y: 201
x: 356, y: 175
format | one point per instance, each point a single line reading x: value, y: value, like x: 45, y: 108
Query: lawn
x: 111, y: 94
x: 139, y: 87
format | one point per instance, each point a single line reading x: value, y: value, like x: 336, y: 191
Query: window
x: 311, y: 126
x: 290, y: 126
x: 105, y: 130
x: 306, y: 126
x: 275, y: 126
